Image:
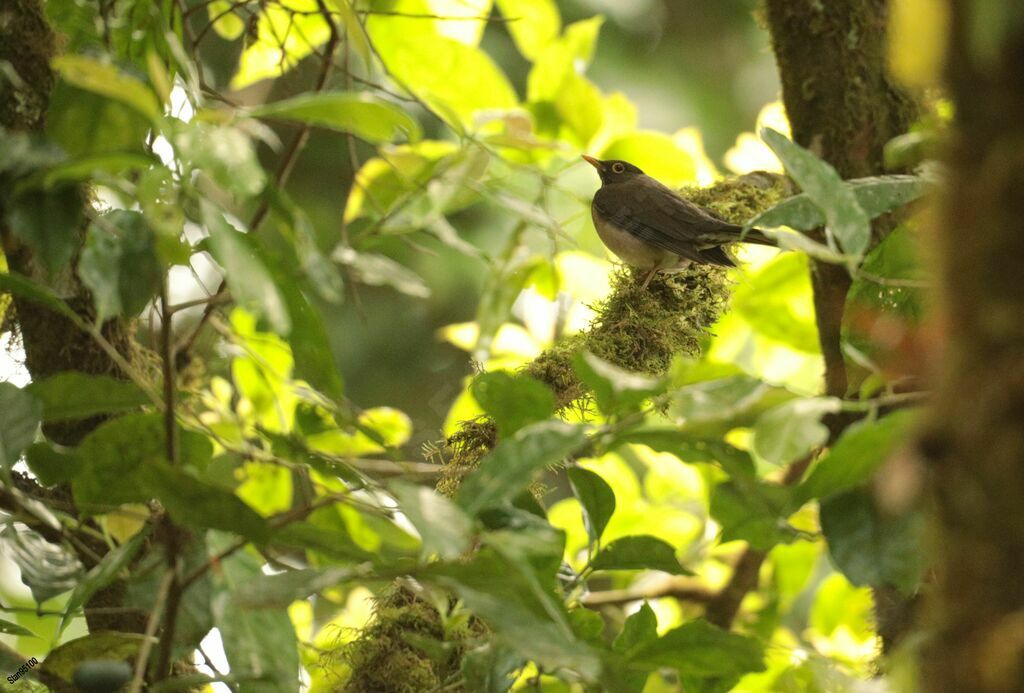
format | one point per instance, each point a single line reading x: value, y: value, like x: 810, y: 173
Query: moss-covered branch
x: 636, y: 329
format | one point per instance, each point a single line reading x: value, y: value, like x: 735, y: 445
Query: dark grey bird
x: 650, y: 227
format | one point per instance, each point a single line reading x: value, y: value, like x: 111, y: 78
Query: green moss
x: 638, y: 329
x: 466, y: 448
x: 381, y: 659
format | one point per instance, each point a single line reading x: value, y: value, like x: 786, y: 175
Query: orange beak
x: 596, y: 163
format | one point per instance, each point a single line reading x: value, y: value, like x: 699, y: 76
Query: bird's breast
x: 629, y: 248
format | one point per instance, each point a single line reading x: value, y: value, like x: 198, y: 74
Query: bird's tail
x: 756, y: 236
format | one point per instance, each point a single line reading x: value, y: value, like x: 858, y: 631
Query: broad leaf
x: 9, y: 628
x: 700, y: 649
x: 444, y: 528
x: 639, y: 552
x: 105, y: 79
x: 856, y: 455
x: 252, y: 285
x: 20, y: 415
x: 200, y: 504
x: 513, y: 401
x: 533, y: 24
x: 845, y: 217
x: 76, y: 395
x: 523, y: 614
x: 455, y: 80
x: 596, y: 497
x: 105, y: 572
x: 47, y: 569
x: 371, y: 119
x: 513, y: 462
x: 615, y: 389
x: 869, y: 547
x: 257, y: 642
x: 48, y: 221
x: 119, y: 264
x: 792, y: 429
x: 640, y: 629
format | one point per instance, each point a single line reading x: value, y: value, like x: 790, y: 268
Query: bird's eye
x: 618, y: 168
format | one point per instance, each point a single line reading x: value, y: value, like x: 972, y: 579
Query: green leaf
x: 876, y: 195
x: 20, y: 414
x: 490, y: 668
x: 48, y: 221
x: 104, y: 572
x: 615, y: 389
x: 50, y: 466
x: 513, y: 401
x: 77, y: 395
x: 369, y: 118
x: 638, y: 552
x: 87, y: 124
x: 62, y: 661
x: 641, y: 628
x: 533, y: 24
x: 226, y: 23
x: 856, y: 456
x: 119, y: 264
x: 869, y: 547
x: 896, y: 257
x: 223, y: 153
x: 355, y: 34
x: 511, y: 465
x: 376, y: 269
x: 753, y: 511
x: 700, y: 649
x: 259, y: 643
x: 105, y: 79
x: 691, y: 449
x: 22, y: 286
x: 777, y: 302
x: 596, y: 497
x: 455, y: 80
x: 280, y: 590
x: 723, y: 400
x: 445, y: 529
x: 523, y: 614
x: 8, y: 628
x: 86, y: 167
x: 116, y: 455
x: 846, y: 219
x: 200, y: 504
x: 792, y: 429
x: 252, y: 285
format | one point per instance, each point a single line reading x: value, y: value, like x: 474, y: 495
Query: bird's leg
x: 647, y: 278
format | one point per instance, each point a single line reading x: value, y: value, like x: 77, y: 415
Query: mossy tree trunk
x: 843, y: 106
x: 51, y: 342
x: 976, y: 443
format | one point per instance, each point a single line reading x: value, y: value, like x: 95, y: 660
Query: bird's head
x: 613, y: 170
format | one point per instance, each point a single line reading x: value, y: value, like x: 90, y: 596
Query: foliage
x: 634, y: 437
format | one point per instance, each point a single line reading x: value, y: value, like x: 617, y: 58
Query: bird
x: 651, y: 227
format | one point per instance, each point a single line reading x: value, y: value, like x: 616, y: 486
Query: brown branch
x: 682, y: 589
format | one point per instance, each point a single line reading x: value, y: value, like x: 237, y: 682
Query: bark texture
x: 842, y: 105
x: 52, y: 343
x: 976, y: 444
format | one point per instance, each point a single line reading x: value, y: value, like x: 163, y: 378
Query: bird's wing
x: 659, y: 216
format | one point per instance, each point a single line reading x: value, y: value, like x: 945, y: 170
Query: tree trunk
x: 52, y: 343
x: 976, y: 443
x: 842, y: 105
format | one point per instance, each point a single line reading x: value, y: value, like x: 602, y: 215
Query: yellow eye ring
x: 618, y: 168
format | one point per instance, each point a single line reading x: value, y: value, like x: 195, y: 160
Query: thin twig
x: 151, y: 625
x: 283, y: 172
